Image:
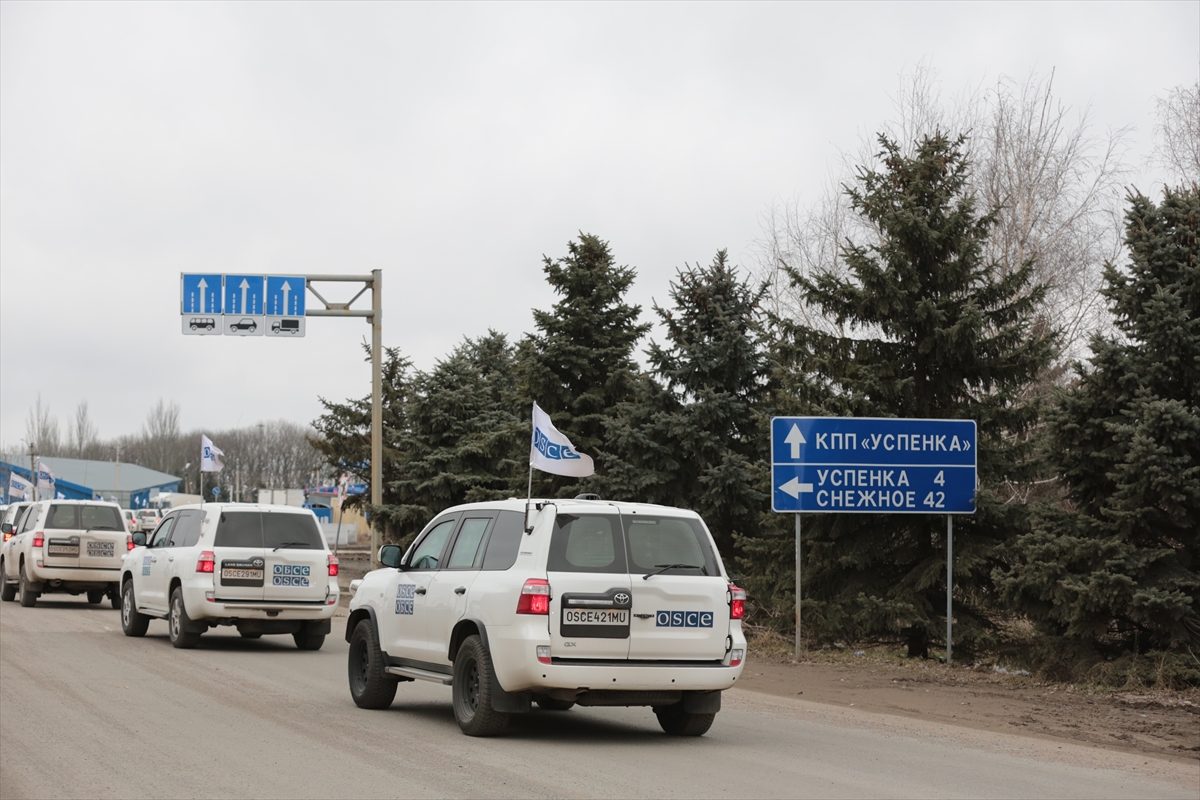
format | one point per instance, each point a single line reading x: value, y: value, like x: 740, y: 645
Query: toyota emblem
x: 620, y: 598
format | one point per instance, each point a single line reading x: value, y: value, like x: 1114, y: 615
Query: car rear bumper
x: 70, y: 576
x: 514, y: 656
x: 202, y: 604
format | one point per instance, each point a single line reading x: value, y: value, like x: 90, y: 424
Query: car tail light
x: 735, y: 658
x: 38, y: 540
x: 333, y: 564
x: 535, y: 597
x: 206, y: 562
x: 129, y: 545
x: 737, y: 602
x: 543, y: 653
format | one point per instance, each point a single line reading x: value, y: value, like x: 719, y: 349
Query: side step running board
x: 421, y: 675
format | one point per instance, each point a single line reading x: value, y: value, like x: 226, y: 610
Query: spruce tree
x: 1117, y: 565
x: 927, y: 328
x: 693, y: 437
x: 579, y: 364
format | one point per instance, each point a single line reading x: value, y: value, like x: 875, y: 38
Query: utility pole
x: 33, y: 471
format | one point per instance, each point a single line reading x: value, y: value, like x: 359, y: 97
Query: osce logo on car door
x: 684, y: 619
x: 405, y: 597
x: 290, y: 575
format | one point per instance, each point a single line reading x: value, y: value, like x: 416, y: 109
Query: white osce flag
x: 210, y: 456
x: 18, y: 488
x: 45, y: 478
x: 552, y: 452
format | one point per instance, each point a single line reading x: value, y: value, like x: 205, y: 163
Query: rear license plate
x: 237, y: 573
x: 59, y: 547
x: 243, y: 573
x: 595, y: 616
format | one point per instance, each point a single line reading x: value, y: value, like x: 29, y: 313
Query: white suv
x: 599, y: 604
x: 261, y: 569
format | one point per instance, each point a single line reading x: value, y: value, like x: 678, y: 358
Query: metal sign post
x: 874, y: 465
x: 274, y: 305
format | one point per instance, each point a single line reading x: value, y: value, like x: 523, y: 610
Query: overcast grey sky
x: 451, y: 146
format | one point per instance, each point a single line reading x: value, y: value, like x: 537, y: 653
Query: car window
x: 29, y: 519
x: 586, y: 543
x: 63, y: 517
x: 294, y: 531
x: 187, y: 529
x: 505, y: 540
x: 655, y: 542
x: 466, y: 546
x: 163, y: 532
x: 429, y: 550
x: 100, y: 518
x: 239, y: 529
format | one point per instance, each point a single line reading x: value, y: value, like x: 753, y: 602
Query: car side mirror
x: 6, y: 528
x: 139, y: 539
x: 390, y: 555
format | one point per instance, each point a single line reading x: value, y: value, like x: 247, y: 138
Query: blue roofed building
x: 84, y: 479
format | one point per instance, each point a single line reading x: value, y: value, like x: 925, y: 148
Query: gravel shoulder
x: 1162, y: 725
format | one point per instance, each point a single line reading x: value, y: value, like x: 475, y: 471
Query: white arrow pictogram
x: 245, y: 287
x: 795, y: 488
x: 203, y: 284
x: 286, y: 289
x: 795, y: 438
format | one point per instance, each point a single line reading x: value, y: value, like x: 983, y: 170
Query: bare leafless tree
x: 160, y: 438
x: 1177, y: 134
x: 41, y: 429
x: 1056, y: 186
x: 85, y: 439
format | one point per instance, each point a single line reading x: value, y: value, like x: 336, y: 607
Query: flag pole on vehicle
x: 551, y: 451
x: 211, y: 460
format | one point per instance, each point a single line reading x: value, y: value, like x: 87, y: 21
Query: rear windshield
x: 634, y: 544
x: 83, y: 518
x: 256, y: 529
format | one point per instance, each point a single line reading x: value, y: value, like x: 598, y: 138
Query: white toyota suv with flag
x: 261, y: 569
x: 598, y: 604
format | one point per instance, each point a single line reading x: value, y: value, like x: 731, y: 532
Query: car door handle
x: 153, y: 560
x: 419, y: 590
x: 461, y: 590
x: 170, y: 558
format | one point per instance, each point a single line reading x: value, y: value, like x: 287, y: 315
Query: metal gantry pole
x: 949, y: 585
x: 799, y: 640
x: 376, y: 407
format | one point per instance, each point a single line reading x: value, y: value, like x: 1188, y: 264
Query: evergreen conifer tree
x: 694, y: 436
x: 1118, y: 564
x: 579, y: 365
x: 932, y: 330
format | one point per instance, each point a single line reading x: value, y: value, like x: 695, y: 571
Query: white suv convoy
x: 72, y: 546
x: 262, y: 569
x: 599, y: 604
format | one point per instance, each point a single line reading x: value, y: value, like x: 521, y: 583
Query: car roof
x: 243, y: 507
x: 573, y: 506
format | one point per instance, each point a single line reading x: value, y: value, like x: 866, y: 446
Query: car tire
x: 370, y: 686
x: 8, y: 591
x: 308, y: 641
x: 177, y: 622
x: 27, y: 595
x: 553, y: 704
x: 473, y: 678
x: 677, y: 722
x: 133, y: 622
x: 114, y: 598
x: 94, y: 597
x: 246, y: 635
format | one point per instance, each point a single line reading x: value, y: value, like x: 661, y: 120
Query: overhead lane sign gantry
x: 201, y: 304
x: 242, y: 305
x: 859, y: 465
x: 285, y: 305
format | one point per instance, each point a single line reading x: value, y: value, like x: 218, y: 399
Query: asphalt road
x: 87, y: 712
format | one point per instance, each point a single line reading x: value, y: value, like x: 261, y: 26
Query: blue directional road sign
x: 860, y: 465
x: 285, y: 296
x: 244, y: 295
x: 201, y: 295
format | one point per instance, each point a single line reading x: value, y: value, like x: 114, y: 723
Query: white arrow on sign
x: 203, y: 285
x: 245, y: 287
x: 795, y: 488
x: 795, y: 438
x: 286, y: 289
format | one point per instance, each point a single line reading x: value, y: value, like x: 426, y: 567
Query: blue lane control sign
x: 285, y: 296
x: 201, y: 295
x: 860, y: 465
x: 244, y: 295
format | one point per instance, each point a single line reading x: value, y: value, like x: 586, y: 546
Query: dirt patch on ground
x: 1161, y: 724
